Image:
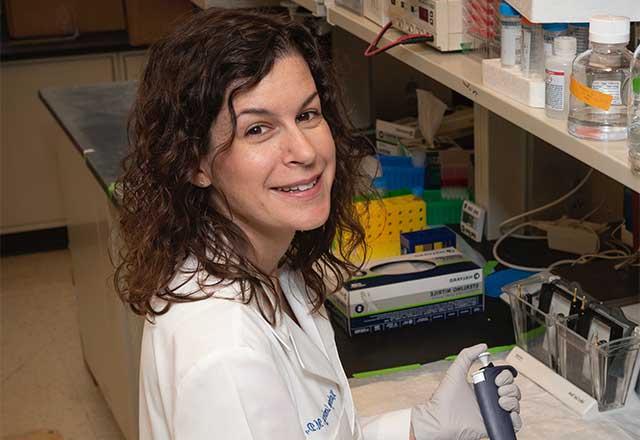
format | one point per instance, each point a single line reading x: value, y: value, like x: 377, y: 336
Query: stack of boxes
x: 440, y: 177
x: 393, y: 138
x: 399, y: 285
x: 412, y: 274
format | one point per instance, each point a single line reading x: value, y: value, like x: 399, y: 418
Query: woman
x: 241, y: 174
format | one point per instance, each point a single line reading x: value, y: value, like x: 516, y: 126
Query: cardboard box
x: 149, y: 20
x: 50, y: 18
x: 402, y: 129
x: 408, y: 290
x: 389, y: 148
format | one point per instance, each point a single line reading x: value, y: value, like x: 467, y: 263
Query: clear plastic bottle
x: 551, y: 31
x: 581, y: 32
x: 557, y: 74
x: 599, y: 82
x: 510, y: 34
x: 532, y: 52
x: 634, y: 115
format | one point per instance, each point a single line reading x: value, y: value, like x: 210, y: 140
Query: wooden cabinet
x: 31, y: 196
x: 132, y: 64
x: 30, y: 190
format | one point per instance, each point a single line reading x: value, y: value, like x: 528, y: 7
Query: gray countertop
x: 95, y: 118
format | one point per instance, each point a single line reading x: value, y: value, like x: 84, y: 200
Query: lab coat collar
x: 297, y: 343
x: 301, y: 307
x: 303, y: 342
x: 311, y: 358
x: 315, y: 326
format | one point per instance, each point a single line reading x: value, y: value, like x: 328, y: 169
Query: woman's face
x: 278, y: 172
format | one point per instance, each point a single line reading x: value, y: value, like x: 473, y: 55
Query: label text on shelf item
x: 609, y: 87
x: 554, y: 90
x: 589, y: 96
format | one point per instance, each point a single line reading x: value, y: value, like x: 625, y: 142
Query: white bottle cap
x: 609, y: 29
x: 564, y: 46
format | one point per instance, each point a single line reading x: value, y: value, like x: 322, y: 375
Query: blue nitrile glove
x: 453, y: 411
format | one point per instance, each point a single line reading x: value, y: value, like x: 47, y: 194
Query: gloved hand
x: 453, y: 411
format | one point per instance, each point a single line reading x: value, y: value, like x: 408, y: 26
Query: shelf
x: 464, y: 75
x: 554, y: 11
x: 318, y: 10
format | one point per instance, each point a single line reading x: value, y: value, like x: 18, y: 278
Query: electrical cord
x: 614, y: 254
x: 506, y: 263
x: 618, y: 242
x: 405, y: 39
x: 544, y: 208
x: 593, y: 211
x: 540, y: 226
x: 622, y: 253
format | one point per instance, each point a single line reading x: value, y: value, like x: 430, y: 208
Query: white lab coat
x: 215, y: 369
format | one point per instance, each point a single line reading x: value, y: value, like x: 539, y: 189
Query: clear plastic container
x: 557, y: 75
x: 634, y: 115
x: 532, y: 49
x: 550, y: 31
x: 534, y: 329
x: 510, y: 34
x: 603, y: 370
x: 606, y: 370
x: 600, y: 71
x: 581, y: 32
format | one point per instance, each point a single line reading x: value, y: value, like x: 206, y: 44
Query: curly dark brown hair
x: 165, y: 218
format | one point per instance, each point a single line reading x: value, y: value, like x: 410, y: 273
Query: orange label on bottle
x: 590, y: 96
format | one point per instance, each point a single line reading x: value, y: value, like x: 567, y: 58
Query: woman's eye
x: 256, y: 130
x: 307, y: 116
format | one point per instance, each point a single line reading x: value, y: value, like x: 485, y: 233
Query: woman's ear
x: 202, y: 177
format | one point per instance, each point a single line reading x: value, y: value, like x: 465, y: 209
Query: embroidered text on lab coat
x: 321, y: 422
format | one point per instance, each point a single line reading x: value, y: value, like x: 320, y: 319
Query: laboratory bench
x: 544, y: 417
x: 94, y: 118
x: 93, y: 113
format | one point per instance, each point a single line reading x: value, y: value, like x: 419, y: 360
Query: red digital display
x: 423, y: 13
